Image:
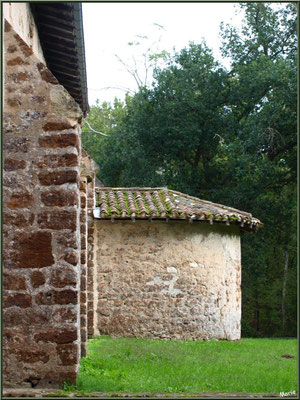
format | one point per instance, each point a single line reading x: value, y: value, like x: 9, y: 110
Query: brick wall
x: 41, y: 223
x: 83, y: 269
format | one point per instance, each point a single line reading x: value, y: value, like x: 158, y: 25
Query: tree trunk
x: 285, y: 273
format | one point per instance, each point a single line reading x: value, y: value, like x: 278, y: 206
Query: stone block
x: 22, y: 300
x: 59, y: 198
x: 58, y: 220
x: 11, y: 164
x: 37, y: 279
x: 20, y: 200
x: 29, y: 316
x: 32, y: 356
x: 58, y: 177
x: 57, y: 126
x: 71, y: 258
x: 56, y: 161
x: 61, y: 277
x: 60, y: 140
x: 67, y: 353
x: 67, y: 239
x: 58, y: 335
x: 51, y: 297
x: 14, y: 282
x: 34, y: 250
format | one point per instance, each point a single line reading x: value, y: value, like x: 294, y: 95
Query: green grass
x: 140, y: 365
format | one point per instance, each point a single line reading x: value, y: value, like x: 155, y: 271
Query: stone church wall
x: 170, y: 280
x: 41, y: 222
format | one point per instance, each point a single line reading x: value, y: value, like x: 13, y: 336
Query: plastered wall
x: 21, y: 19
x: 170, y: 280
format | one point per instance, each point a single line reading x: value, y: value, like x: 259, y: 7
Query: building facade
x: 168, y: 265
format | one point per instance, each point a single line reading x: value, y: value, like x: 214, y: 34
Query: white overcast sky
x: 108, y: 27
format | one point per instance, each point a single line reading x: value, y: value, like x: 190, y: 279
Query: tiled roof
x: 165, y: 204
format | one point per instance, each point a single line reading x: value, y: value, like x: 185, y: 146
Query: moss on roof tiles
x: 165, y: 204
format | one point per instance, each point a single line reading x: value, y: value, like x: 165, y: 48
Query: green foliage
x: 225, y: 136
x: 140, y: 365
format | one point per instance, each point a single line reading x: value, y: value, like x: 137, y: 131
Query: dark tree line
x: 229, y: 136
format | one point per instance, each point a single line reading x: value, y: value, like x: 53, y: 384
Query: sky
x: 109, y: 27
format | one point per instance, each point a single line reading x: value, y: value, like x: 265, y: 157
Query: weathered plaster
x: 170, y: 280
x: 21, y: 19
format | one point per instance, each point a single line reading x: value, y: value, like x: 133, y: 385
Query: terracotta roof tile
x: 163, y: 203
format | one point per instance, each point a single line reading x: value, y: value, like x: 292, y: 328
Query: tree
x: 228, y: 137
x: 263, y: 101
x: 103, y: 118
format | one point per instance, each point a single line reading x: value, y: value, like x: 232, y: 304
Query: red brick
x: 58, y: 177
x: 82, y: 227
x: 68, y: 354
x: 60, y: 336
x: 34, y: 250
x: 20, y: 200
x: 83, y: 309
x: 57, y: 126
x: 60, y: 198
x: 71, y: 258
x: 14, y: 282
x: 63, y: 277
x: 11, y: 164
x: 67, y: 296
x: 60, y: 140
x: 83, y: 242
x: 37, y: 279
x: 83, y: 258
x: 83, y: 297
x: 17, y: 299
x: 32, y: 356
x: 58, y: 220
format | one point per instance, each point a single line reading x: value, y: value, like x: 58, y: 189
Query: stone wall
x: 170, y: 280
x: 41, y: 227
x: 92, y: 264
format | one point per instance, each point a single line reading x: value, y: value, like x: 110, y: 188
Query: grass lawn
x: 140, y: 365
